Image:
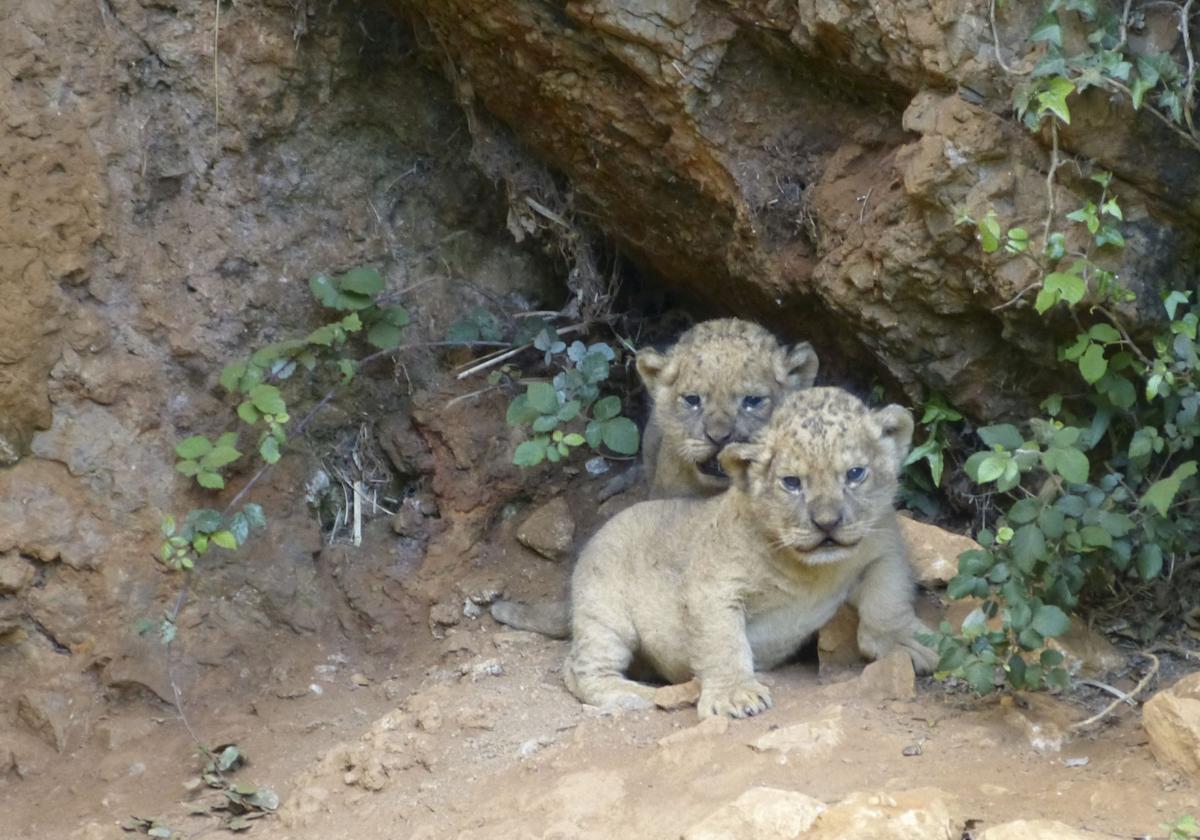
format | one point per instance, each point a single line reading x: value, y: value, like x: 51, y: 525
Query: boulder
x: 1036, y: 830
x: 933, y: 551
x: 549, y: 530
x: 761, y: 813
x: 921, y: 814
x: 1172, y: 720
x: 889, y: 678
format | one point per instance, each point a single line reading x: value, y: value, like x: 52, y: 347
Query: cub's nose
x: 718, y: 438
x: 827, y: 522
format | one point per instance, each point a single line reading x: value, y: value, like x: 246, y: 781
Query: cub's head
x: 718, y: 385
x: 823, y: 472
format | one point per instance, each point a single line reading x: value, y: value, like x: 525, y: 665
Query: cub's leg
x: 595, y: 668
x: 886, y: 619
x: 721, y: 657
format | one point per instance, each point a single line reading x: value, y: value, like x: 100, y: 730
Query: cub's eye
x: 751, y: 403
x: 856, y: 474
x: 693, y: 400
x: 791, y: 483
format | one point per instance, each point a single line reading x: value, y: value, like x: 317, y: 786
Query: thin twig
x: 996, y: 44
x: 515, y: 351
x: 449, y: 405
x: 1050, y: 204
x: 1189, y: 96
x: 1107, y: 710
x: 217, y: 80
x: 1115, y: 692
x: 1124, y: 33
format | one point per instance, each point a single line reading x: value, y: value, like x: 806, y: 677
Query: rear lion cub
x: 719, y: 588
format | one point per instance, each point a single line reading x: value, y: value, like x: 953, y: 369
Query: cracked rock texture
x: 801, y: 160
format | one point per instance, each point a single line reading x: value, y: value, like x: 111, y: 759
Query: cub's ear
x: 656, y: 368
x: 743, y: 462
x: 895, y: 432
x: 796, y: 369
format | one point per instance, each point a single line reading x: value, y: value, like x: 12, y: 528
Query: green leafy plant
x: 1184, y: 828
x: 1159, y: 83
x: 937, y: 415
x: 571, y: 399
x: 562, y: 408
x: 1098, y: 494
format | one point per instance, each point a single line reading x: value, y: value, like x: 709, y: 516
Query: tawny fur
x: 721, y: 362
x: 721, y: 587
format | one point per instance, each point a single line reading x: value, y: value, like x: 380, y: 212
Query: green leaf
x: 210, y: 480
x: 1162, y: 492
x: 974, y: 562
x: 267, y: 399
x: 1050, y: 621
x: 545, y: 423
x: 1024, y: 511
x: 1053, y: 97
x: 1070, y: 287
x: 606, y: 408
x: 323, y: 336
x: 269, y: 449
x: 569, y: 411
x: 1071, y: 464
x: 383, y: 335
x: 1094, y: 536
x: 324, y: 290
x: 979, y: 675
x: 226, y: 540
x: 530, y: 453
x: 573, y: 439
x: 362, y: 280
x: 620, y: 434
x: 1003, y: 435
x: 188, y: 468
x: 346, y: 368
x: 961, y: 586
x: 520, y: 411
x: 1104, y: 333
x: 220, y: 457
x: 1048, y: 30
x: 1149, y: 561
x: 397, y: 316
x: 193, y: 447
x: 991, y: 468
x: 593, y: 434
x: 1172, y: 301
x: 1028, y: 546
x: 973, y: 463
x: 542, y: 397
x: 254, y: 513
x: 989, y: 232
x: 351, y: 323
x: 1092, y: 363
x: 231, y: 375
x: 239, y: 526
x: 248, y: 413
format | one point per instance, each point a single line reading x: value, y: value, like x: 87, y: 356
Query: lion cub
x: 717, y: 588
x: 718, y: 385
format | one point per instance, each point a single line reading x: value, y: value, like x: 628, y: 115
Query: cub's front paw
x: 744, y: 699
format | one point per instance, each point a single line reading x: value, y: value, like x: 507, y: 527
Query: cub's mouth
x: 712, y: 468
x: 831, y: 543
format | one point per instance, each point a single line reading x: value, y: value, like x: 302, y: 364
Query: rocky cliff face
x: 805, y: 163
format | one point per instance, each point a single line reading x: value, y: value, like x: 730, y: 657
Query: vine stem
x: 1107, y: 710
x: 996, y: 44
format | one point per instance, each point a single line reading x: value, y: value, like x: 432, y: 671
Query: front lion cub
x: 717, y: 588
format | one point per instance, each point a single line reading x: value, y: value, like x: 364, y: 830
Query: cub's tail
x: 552, y: 618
